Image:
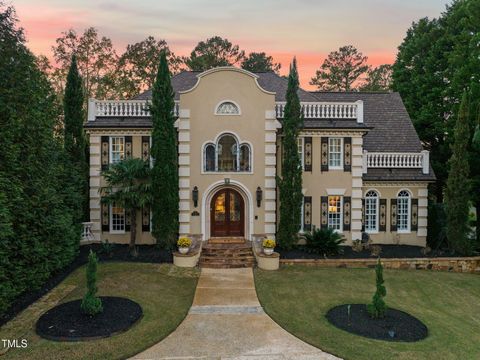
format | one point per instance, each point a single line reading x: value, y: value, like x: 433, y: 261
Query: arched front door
x: 227, y: 214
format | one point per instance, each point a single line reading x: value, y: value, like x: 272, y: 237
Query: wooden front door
x: 227, y: 214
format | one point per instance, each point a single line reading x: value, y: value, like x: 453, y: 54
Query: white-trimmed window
x: 403, y: 211
x: 227, y: 155
x: 335, y: 153
x: 335, y: 213
x: 300, y: 145
x: 117, y: 149
x: 227, y: 108
x: 371, y: 211
x: 117, y: 219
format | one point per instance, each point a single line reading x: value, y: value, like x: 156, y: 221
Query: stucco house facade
x: 364, y: 169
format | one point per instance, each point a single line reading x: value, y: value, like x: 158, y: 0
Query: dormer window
x: 227, y: 155
x: 227, y: 108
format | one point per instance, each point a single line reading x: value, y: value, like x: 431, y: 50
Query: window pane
x: 118, y: 218
x: 117, y: 149
x: 235, y: 203
x: 300, y: 149
x: 228, y: 108
x: 403, y: 211
x: 335, y: 212
x: 334, y: 152
x: 220, y: 208
x: 371, y: 211
x: 227, y: 154
x: 210, y: 158
x: 244, y: 158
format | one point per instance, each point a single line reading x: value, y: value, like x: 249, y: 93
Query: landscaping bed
x: 66, y: 322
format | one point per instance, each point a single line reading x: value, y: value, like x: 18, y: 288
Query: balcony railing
x: 396, y: 160
x: 323, y: 110
x: 120, y: 108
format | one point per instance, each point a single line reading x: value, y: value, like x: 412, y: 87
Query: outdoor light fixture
x: 195, y: 196
x: 259, y: 196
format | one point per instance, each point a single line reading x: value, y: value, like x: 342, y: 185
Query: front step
x: 217, y: 255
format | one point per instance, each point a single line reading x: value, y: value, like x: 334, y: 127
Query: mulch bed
x: 388, y: 252
x: 395, y: 326
x: 118, y: 252
x: 66, y: 322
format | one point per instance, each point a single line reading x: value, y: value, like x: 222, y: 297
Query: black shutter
x: 382, y: 219
x: 307, y: 153
x: 414, y: 215
x: 128, y: 147
x: 146, y: 219
x: 105, y: 152
x: 324, y: 212
x: 347, y: 154
x: 105, y: 217
x: 146, y: 148
x: 363, y: 215
x: 324, y: 154
x: 307, y: 213
x: 393, y: 215
x: 347, y: 212
x: 128, y: 220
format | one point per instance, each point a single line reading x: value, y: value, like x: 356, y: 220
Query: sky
x: 307, y: 29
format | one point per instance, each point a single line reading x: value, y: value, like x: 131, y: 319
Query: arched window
x: 227, y: 152
x: 371, y: 211
x: 244, y: 157
x: 227, y: 155
x: 209, y: 157
x: 227, y: 108
x: 403, y: 211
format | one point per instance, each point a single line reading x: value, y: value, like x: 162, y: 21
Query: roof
x: 377, y: 174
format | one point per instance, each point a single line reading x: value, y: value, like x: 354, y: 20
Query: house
x: 364, y: 169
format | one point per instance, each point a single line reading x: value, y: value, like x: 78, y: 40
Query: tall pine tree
x: 290, y: 182
x: 457, y: 193
x: 165, y: 156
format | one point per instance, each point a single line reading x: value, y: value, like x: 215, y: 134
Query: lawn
x: 298, y: 298
x: 164, y: 292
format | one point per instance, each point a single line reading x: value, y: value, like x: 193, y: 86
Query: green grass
x: 164, y: 292
x: 298, y: 298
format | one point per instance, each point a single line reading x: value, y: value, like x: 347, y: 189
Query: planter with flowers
x: 184, y: 244
x: 268, y: 246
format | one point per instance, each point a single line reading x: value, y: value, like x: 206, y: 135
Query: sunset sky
x: 307, y: 29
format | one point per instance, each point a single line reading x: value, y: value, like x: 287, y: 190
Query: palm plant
x: 128, y: 186
x: 324, y: 241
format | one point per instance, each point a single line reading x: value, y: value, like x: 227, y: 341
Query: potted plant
x: 268, y: 246
x: 184, y: 244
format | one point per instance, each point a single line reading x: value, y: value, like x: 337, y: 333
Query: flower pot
x: 183, y: 250
x: 268, y: 251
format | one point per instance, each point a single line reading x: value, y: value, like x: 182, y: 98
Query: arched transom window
x: 371, y: 211
x: 227, y: 108
x: 227, y: 155
x: 403, y: 211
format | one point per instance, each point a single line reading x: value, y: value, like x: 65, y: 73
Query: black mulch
x: 117, y: 252
x: 388, y: 251
x: 395, y: 326
x: 66, y: 322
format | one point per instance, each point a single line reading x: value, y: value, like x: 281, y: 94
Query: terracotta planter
x: 183, y: 250
x: 268, y: 251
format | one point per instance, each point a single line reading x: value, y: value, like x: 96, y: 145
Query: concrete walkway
x: 226, y: 321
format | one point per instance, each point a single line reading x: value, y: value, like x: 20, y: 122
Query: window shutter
x: 347, y: 154
x: 146, y: 148
x: 105, y: 153
x: 414, y: 215
x: 146, y: 219
x: 307, y: 153
x: 324, y: 212
x: 324, y: 160
x: 128, y: 220
x: 105, y: 217
x: 363, y: 215
x: 382, y: 219
x: 128, y: 147
x: 393, y: 215
x: 347, y: 207
x: 307, y: 213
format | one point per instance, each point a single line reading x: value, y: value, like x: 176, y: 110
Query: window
x: 335, y: 212
x: 210, y: 157
x: 403, y: 211
x: 300, y: 149
x: 227, y: 156
x: 244, y: 157
x: 335, y: 153
x: 117, y: 219
x: 117, y: 149
x: 371, y: 211
x: 227, y: 108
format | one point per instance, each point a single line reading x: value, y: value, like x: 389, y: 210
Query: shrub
x: 269, y: 243
x: 184, y: 242
x: 324, y: 241
x: 107, y: 248
x: 91, y: 305
x: 357, y: 245
x: 378, y: 307
x: 375, y: 250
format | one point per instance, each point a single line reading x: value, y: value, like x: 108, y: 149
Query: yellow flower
x: 269, y: 243
x: 184, y: 242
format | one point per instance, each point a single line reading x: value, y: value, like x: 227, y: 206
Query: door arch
x: 227, y: 213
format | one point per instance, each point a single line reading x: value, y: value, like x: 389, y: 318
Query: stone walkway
x: 226, y: 321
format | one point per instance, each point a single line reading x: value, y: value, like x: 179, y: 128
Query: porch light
x: 195, y: 196
x: 259, y: 196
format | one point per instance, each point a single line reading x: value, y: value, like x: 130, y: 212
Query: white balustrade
x: 323, y: 110
x: 396, y: 160
x: 87, y: 234
x: 120, y: 108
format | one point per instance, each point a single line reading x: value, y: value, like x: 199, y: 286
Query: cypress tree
x: 378, y: 308
x: 75, y: 144
x: 165, y: 156
x: 457, y: 192
x: 91, y: 304
x: 290, y: 182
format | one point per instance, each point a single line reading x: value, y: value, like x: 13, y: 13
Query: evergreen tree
x: 91, y: 304
x: 165, y: 159
x: 290, y: 183
x: 457, y: 192
x: 260, y: 62
x: 378, y: 307
x: 75, y: 144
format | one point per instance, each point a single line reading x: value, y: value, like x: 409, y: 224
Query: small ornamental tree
x: 378, y: 307
x: 91, y: 304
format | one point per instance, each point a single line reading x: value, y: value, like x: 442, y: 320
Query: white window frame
x: 110, y: 147
x: 341, y: 213
x: 217, y: 108
x: 409, y: 210
x: 111, y: 222
x: 376, y: 198
x: 301, y: 149
x: 338, y: 167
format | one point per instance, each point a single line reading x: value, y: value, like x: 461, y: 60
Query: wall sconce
x: 195, y: 196
x: 259, y: 196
